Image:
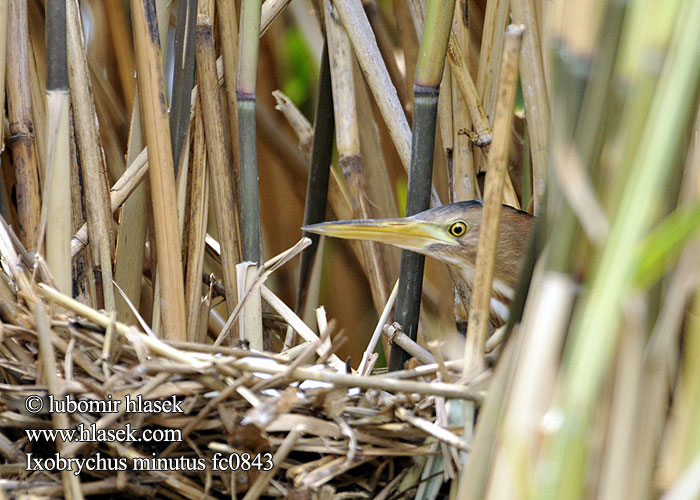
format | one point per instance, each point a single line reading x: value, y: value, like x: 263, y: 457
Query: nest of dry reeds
x: 142, y: 189
x: 169, y: 420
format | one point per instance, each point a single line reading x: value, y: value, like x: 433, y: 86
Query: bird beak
x: 409, y: 234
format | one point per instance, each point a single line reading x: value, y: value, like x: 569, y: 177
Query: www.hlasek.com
x: 126, y: 434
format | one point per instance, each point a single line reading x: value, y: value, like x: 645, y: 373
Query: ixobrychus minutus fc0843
x: 450, y: 233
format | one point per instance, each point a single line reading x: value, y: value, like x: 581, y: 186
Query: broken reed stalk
x: 596, y: 324
x: 245, y: 91
x: 131, y: 240
x: 99, y: 215
x: 218, y: 157
x: 319, y: 173
x: 58, y: 198
x: 119, y: 194
x: 19, y: 111
x: 183, y: 76
x: 467, y: 88
x: 477, y: 330
x: 155, y: 121
x: 426, y: 90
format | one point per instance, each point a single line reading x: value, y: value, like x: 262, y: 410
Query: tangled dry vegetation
x: 146, y: 166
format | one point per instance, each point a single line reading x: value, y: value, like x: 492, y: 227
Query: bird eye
x: 459, y: 228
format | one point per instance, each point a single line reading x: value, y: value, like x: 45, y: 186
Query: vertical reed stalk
x: 386, y: 48
x: 358, y: 29
x: 350, y: 155
x: 19, y: 109
x: 218, y: 158
x: 227, y: 17
x: 155, y: 120
x: 477, y: 330
x: 4, y: 4
x: 131, y: 241
x: 426, y: 89
x: 319, y: 172
x: 123, y: 51
x: 245, y: 90
x: 99, y: 215
x: 183, y: 76
x: 595, y: 328
x: 196, y: 226
x: 465, y: 186
x: 535, y: 95
x: 58, y: 199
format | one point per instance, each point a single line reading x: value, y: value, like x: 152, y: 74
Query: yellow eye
x: 459, y: 228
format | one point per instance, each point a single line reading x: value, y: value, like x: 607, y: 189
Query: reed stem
x: 426, y: 89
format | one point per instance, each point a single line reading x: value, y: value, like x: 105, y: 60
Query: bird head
x: 449, y: 233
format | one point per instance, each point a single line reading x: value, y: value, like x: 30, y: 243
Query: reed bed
x: 158, y: 160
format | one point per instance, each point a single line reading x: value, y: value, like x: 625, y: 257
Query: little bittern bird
x: 450, y: 233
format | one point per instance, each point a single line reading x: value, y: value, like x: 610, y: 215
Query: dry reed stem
x: 541, y: 338
x: 250, y: 325
x: 338, y: 193
x: 123, y: 51
x: 434, y: 430
x: 99, y: 215
x: 301, y: 126
x: 477, y: 329
x: 467, y: 88
x: 196, y: 227
x: 271, y: 9
x: 495, y: 20
x: 71, y: 483
x: 58, y: 195
x: 464, y: 183
x: 155, y: 121
x: 218, y: 157
x: 37, y: 88
x: 120, y: 192
x: 4, y: 6
x: 396, y: 335
x: 280, y: 455
x: 378, y: 185
x: 358, y: 29
x: 56, y: 212
x: 348, y: 145
x: 227, y: 17
x: 131, y: 240
x: 386, y: 48
x: 376, y: 335
x: 535, y: 96
x: 299, y: 326
x: 343, y: 380
x: 616, y: 459
x: 264, y: 272
x: 21, y: 137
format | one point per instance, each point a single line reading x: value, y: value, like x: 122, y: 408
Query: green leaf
x: 663, y: 245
